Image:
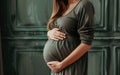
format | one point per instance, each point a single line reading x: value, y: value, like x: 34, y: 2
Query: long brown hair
x: 59, y: 7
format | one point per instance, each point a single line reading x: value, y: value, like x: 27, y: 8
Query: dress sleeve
x: 86, y: 23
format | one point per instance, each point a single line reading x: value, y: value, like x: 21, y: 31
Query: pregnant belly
x: 58, y: 50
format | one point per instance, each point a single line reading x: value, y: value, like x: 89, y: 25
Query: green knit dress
x: 78, y: 25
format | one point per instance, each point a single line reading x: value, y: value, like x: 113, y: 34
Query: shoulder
x: 86, y: 2
x: 87, y: 5
x: 84, y: 5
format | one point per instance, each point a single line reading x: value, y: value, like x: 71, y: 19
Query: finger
x: 62, y: 36
x: 59, y: 37
x: 56, y: 29
x: 59, y: 32
x: 50, y: 67
x: 50, y: 63
x: 55, y: 39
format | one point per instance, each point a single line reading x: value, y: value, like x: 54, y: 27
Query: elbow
x: 86, y: 45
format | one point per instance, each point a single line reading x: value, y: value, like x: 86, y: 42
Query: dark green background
x: 24, y: 35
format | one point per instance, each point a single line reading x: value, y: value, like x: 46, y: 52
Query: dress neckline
x: 72, y: 8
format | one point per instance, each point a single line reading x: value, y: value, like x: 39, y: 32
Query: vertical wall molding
x: 1, y: 22
x: 1, y: 66
x: 116, y: 16
x: 101, y: 19
x: 117, y: 60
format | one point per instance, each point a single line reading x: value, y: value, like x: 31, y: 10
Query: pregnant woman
x: 70, y: 35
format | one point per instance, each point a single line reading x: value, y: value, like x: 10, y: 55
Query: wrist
x: 63, y: 65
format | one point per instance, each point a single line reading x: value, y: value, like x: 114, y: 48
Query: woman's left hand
x: 55, y: 66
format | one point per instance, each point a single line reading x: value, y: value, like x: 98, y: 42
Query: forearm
x: 76, y: 54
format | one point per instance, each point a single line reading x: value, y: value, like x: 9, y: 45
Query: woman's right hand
x: 55, y: 34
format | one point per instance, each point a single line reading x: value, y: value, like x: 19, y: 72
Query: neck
x: 72, y: 1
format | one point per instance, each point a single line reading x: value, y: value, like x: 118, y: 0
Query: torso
x: 68, y: 24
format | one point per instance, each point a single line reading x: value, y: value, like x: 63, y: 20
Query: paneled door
x: 24, y: 35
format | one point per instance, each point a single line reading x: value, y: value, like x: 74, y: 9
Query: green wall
x: 24, y: 35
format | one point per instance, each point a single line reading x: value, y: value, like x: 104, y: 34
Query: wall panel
x: 98, y: 61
